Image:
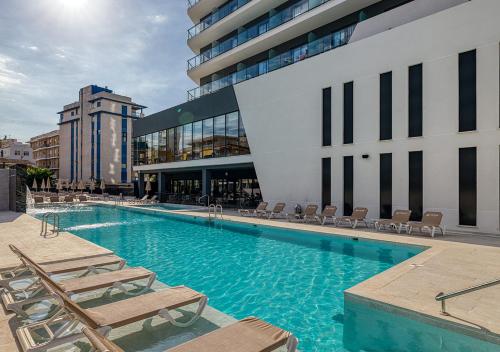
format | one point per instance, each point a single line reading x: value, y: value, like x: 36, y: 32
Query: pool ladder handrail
x: 45, y: 224
x: 214, y: 207
x: 442, y: 297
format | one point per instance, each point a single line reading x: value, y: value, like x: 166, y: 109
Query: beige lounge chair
x: 328, y: 213
x: 277, y: 211
x: 308, y: 214
x: 54, y: 199
x: 139, y: 201
x: 82, y: 198
x: 153, y: 200
x: 247, y: 335
x: 399, y: 219
x: 38, y: 199
x: 16, y: 299
x: 88, y: 265
x: 358, y: 216
x: 62, y: 327
x: 261, y: 208
x: 431, y: 221
x: 69, y: 199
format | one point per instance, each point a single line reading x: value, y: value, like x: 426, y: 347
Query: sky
x: 49, y: 49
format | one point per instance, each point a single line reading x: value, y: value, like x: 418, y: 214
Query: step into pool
x: 294, y: 279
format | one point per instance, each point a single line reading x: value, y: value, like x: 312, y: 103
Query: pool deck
x: 409, y: 287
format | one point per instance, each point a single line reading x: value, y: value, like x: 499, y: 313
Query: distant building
x: 96, y: 137
x: 11, y: 149
x: 46, y: 151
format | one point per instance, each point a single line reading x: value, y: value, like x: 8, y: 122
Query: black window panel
x: 348, y: 112
x: 416, y: 185
x: 467, y: 91
x: 327, y: 116
x: 467, y: 185
x: 348, y: 185
x: 326, y: 182
x: 386, y: 106
x: 415, y: 100
x: 386, y: 186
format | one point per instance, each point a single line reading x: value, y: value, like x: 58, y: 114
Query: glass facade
x: 214, y: 137
x: 301, y: 52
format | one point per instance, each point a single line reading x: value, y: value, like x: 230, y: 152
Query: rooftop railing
x: 256, y: 30
x: 191, y: 3
x: 318, y: 46
x: 215, y: 16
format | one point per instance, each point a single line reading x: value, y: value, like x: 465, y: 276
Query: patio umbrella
x: 102, y: 186
x: 148, y: 186
x: 92, y: 186
x: 43, y: 184
x: 35, y: 185
x: 81, y: 186
x: 73, y: 185
x: 48, y: 184
x: 59, y: 185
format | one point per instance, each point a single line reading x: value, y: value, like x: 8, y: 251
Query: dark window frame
x: 348, y: 130
x: 415, y: 100
x: 385, y: 115
x: 327, y: 117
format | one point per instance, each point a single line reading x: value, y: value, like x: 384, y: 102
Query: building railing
x: 318, y: 46
x: 191, y: 3
x: 256, y: 30
x: 216, y: 16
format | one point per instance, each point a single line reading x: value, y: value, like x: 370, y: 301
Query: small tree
x: 38, y: 173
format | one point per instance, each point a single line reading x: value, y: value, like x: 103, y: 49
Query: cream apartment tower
x: 95, y: 137
x: 384, y: 104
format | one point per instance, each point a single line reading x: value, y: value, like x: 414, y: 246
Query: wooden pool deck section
x: 409, y: 287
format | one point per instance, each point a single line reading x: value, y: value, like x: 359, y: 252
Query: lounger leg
x: 165, y: 314
x: 292, y: 343
x: 433, y: 231
x: 355, y: 224
x: 121, y: 286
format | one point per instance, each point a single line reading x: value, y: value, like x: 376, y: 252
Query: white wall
x: 282, y: 116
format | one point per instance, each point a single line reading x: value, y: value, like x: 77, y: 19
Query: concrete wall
x: 282, y: 116
x: 5, y: 189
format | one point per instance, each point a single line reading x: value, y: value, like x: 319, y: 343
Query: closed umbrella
x: 73, y: 185
x: 48, y: 184
x: 148, y: 186
x: 59, y: 185
x: 43, y: 184
x: 102, y: 186
x: 81, y: 185
x: 92, y: 186
x: 35, y: 185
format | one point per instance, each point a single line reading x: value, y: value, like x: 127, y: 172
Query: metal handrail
x: 45, y: 224
x: 218, y: 206
x: 442, y: 297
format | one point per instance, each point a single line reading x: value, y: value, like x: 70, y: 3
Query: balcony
x: 215, y: 17
x: 318, y: 46
x: 256, y: 30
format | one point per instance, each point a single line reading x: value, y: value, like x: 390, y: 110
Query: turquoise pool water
x: 290, y: 278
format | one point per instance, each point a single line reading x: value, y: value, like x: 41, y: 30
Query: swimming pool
x: 293, y: 279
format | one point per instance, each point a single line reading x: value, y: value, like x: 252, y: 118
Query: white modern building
x: 95, y: 137
x: 381, y: 104
x: 12, y: 149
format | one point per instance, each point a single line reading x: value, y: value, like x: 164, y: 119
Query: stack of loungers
x: 71, y: 322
